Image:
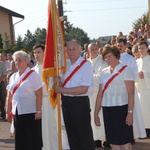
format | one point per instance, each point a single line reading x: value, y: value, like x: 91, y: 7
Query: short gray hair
x: 74, y: 41
x: 22, y: 53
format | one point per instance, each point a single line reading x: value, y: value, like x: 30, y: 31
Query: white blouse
x: 116, y: 93
x: 24, y: 99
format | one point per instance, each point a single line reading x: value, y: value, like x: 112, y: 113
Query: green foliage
x: 75, y: 33
x: 1, y: 42
x: 6, y: 41
x: 138, y: 21
x: 29, y: 41
x: 40, y: 35
x: 19, y: 43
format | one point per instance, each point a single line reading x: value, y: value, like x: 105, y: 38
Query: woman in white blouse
x: 24, y: 101
x: 116, y: 97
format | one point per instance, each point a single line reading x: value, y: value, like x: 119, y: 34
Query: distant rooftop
x: 12, y: 13
x: 105, y: 40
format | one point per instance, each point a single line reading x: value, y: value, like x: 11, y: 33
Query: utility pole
x: 149, y: 10
x: 60, y: 7
x: 61, y: 14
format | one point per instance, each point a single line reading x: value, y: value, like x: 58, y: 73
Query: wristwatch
x: 39, y: 112
x: 130, y: 111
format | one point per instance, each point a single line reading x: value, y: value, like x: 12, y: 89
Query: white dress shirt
x: 129, y: 60
x: 38, y: 70
x: 24, y: 99
x: 83, y: 77
x: 116, y: 93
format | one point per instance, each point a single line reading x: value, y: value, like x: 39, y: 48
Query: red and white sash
x: 73, y: 72
x: 22, y: 80
x: 70, y: 76
x: 110, y: 79
x: 17, y: 86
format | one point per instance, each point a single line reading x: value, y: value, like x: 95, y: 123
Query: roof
x: 10, y: 12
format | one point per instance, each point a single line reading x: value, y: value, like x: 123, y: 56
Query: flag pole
x: 57, y: 73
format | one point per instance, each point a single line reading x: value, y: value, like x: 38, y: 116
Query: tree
x: 1, y: 42
x: 7, y: 44
x: 67, y: 27
x: 40, y: 35
x: 19, y: 43
x: 75, y: 33
x: 29, y: 41
x: 137, y: 22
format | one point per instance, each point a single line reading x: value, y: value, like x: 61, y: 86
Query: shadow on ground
x: 7, y: 141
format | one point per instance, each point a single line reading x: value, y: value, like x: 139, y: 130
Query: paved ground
x: 7, y: 143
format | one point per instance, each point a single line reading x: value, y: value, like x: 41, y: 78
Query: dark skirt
x: 28, y: 134
x: 116, y: 129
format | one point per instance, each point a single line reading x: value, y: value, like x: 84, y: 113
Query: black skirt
x: 28, y: 135
x: 116, y: 129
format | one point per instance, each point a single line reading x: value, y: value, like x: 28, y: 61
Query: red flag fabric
x: 54, y: 56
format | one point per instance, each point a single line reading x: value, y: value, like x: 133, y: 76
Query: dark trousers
x: 28, y: 135
x: 76, y: 113
x: 2, y: 98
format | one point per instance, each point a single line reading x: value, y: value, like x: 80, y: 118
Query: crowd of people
x: 104, y: 93
x: 133, y: 52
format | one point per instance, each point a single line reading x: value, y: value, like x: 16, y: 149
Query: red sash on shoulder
x: 70, y: 76
x: 17, y: 86
x: 109, y: 81
x: 73, y: 72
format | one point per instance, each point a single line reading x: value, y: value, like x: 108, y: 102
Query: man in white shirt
x: 143, y: 84
x: 49, y: 125
x: 125, y: 58
x: 98, y: 65
x: 76, y: 86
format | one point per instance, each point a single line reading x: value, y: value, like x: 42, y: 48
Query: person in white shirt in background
x: 143, y: 84
x: 135, y: 52
x: 98, y: 65
x: 49, y: 124
x: 126, y: 59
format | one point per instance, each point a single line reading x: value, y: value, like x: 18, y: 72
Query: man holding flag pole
x: 75, y: 86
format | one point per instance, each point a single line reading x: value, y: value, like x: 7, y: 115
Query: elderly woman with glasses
x: 24, y: 101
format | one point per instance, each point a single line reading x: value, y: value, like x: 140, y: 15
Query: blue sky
x: 96, y: 17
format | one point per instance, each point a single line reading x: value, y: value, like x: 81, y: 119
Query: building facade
x: 6, y: 23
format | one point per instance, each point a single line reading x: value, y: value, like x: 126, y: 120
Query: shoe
x: 148, y: 133
x: 98, y: 143
x: 106, y: 145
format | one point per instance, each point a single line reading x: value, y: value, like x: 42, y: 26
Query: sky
x: 95, y: 17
